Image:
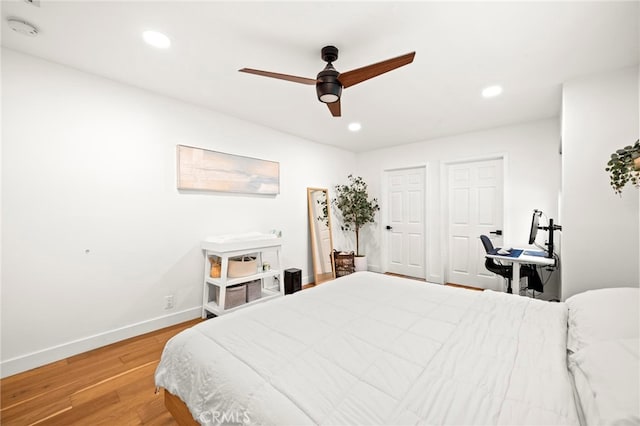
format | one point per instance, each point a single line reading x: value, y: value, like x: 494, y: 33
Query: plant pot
x: 360, y: 263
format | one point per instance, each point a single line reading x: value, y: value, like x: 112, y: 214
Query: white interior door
x: 475, y: 193
x: 405, y: 227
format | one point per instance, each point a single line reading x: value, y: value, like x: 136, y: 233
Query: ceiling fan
x: 329, y: 82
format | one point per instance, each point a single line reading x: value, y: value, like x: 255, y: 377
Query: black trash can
x: 292, y: 280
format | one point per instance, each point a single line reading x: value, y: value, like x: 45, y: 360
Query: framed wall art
x: 201, y: 169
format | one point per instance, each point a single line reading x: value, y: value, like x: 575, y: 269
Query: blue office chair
x: 533, y: 279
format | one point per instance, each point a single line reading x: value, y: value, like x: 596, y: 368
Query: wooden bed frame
x: 178, y: 410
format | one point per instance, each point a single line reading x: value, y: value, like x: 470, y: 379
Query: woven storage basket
x: 242, y: 266
x: 344, y: 263
x: 236, y: 295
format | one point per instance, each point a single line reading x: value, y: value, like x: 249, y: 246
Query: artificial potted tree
x: 624, y: 167
x: 355, y: 210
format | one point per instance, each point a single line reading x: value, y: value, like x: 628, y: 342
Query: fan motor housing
x: 328, y: 86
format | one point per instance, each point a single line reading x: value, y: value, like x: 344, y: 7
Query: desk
x: 516, y: 261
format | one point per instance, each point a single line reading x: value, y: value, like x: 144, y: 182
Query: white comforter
x: 373, y: 349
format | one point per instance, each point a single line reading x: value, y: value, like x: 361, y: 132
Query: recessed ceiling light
x: 354, y: 127
x: 156, y: 39
x: 491, y: 91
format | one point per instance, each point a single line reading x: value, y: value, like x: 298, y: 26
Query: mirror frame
x: 319, y: 278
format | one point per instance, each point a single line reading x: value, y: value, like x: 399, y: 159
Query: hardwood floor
x: 464, y: 286
x: 404, y: 276
x: 112, y: 385
x: 448, y: 284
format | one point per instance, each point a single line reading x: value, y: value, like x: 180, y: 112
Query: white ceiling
x: 530, y: 48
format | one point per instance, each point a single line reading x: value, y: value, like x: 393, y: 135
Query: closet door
x: 475, y: 207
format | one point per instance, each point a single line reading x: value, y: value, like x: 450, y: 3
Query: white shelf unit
x: 225, y: 251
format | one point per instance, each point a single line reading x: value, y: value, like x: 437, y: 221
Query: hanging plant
x: 624, y: 166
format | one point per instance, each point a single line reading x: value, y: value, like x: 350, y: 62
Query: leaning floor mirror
x: 320, y: 230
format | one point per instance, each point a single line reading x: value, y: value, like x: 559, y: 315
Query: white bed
x: 374, y: 349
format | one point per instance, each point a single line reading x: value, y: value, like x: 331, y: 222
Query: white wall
x: 532, y: 181
x: 94, y: 232
x: 600, y: 114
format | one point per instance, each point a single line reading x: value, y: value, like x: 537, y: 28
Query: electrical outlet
x: 168, y: 302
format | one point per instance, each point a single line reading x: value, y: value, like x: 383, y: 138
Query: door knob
x: 497, y: 232
x: 389, y: 228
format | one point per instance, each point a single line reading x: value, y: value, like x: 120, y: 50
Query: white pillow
x: 607, y: 380
x: 601, y: 315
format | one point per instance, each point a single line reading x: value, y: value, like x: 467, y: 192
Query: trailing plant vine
x: 624, y: 167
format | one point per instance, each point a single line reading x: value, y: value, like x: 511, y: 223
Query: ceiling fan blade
x: 335, y: 108
x: 359, y: 75
x: 287, y: 77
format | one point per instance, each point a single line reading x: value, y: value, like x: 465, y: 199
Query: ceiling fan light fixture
x: 329, y: 98
x: 329, y: 92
